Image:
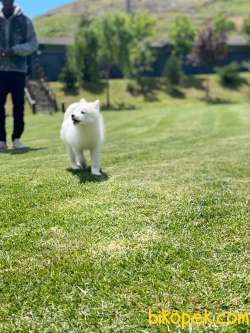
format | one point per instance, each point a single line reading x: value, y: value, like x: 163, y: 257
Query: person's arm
x: 30, y: 46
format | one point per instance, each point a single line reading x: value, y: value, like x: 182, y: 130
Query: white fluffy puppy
x: 83, y: 129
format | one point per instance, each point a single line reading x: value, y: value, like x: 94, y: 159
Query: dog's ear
x: 97, y: 105
x: 83, y: 101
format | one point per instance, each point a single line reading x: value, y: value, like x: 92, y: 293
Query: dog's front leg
x: 72, y: 158
x: 96, y: 157
x: 81, y: 160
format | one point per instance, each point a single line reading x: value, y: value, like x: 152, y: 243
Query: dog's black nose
x: 73, y: 117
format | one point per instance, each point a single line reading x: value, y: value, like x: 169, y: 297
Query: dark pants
x: 12, y: 83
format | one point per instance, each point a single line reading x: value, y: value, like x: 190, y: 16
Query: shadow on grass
x: 150, y: 96
x: 235, y: 85
x: 119, y: 107
x: 173, y: 90
x: 193, y: 82
x: 21, y: 151
x: 216, y: 101
x: 147, y: 87
x: 176, y: 93
x: 85, y: 176
x: 94, y: 87
x: 71, y: 92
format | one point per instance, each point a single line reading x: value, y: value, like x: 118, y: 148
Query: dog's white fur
x: 83, y: 129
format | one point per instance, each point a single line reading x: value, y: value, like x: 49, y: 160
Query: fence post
x: 63, y: 107
x: 34, y: 108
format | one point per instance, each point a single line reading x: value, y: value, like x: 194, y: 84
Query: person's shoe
x: 17, y: 144
x: 3, y: 146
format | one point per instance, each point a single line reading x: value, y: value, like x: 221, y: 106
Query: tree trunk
x: 108, y: 104
x: 108, y: 93
x: 206, y: 86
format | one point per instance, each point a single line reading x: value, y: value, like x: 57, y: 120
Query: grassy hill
x: 63, y: 21
x: 167, y: 227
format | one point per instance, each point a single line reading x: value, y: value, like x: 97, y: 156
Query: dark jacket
x: 17, y: 33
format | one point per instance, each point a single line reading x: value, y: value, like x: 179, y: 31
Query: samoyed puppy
x: 82, y: 130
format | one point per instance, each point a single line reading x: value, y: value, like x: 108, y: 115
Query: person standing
x: 17, y: 41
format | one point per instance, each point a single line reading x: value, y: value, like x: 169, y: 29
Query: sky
x: 38, y: 7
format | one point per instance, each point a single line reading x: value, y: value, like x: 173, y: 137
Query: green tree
x: 142, y: 61
x: 114, y: 41
x: 86, y: 50
x: 68, y: 75
x: 142, y: 55
x: 181, y: 35
x: 173, y: 71
x: 229, y: 75
x: 246, y: 26
x: 222, y: 24
x: 142, y: 26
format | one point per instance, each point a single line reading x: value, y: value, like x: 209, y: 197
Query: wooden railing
x: 30, y: 100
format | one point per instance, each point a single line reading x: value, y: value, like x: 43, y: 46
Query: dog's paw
x: 75, y: 167
x: 82, y: 166
x: 96, y: 172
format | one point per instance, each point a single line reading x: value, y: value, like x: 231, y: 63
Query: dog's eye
x: 82, y: 112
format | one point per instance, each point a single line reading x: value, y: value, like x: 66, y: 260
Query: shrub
x: 229, y: 75
x: 222, y: 24
x: 246, y: 26
x: 69, y: 79
x: 142, y: 62
x: 182, y: 35
x: 86, y: 48
x: 132, y: 88
x: 68, y: 74
x: 173, y: 71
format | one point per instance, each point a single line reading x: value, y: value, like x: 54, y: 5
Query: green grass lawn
x: 167, y: 227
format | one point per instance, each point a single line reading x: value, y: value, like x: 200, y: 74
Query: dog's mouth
x: 75, y: 121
